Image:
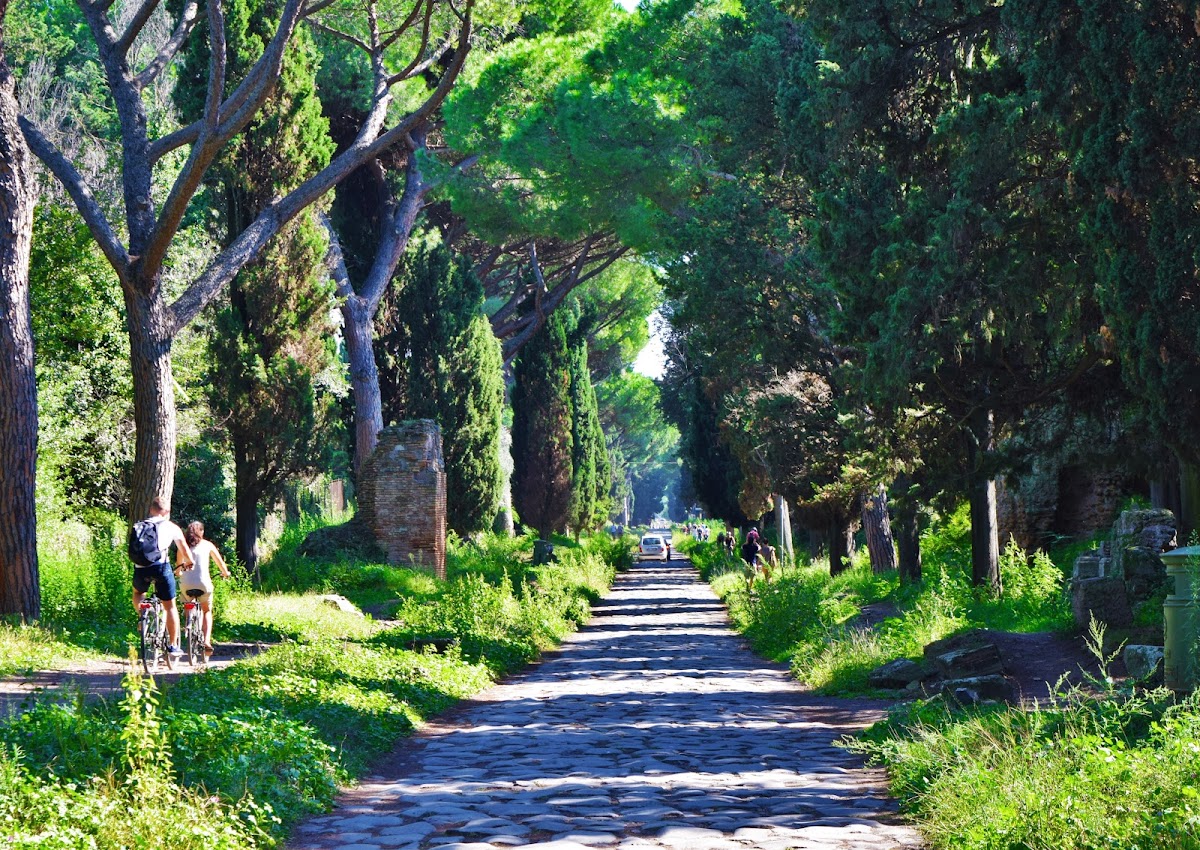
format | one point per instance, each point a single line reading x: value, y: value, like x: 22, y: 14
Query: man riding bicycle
x: 149, y: 548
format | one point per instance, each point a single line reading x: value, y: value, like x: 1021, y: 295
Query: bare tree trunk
x: 246, y: 499
x: 151, y: 333
x: 841, y: 542
x: 908, y: 533
x: 364, y: 378
x: 19, y: 590
x: 1188, y: 518
x: 783, y: 519
x: 878, y: 528
x: 985, y: 540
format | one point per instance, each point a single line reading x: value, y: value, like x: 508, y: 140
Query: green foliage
x: 542, y: 421
x: 203, y: 492
x: 242, y: 752
x: 440, y: 361
x: 810, y: 619
x: 591, y: 472
x: 84, y: 390
x: 1076, y: 773
x: 85, y: 583
x: 118, y: 783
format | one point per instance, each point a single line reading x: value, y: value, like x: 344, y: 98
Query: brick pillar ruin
x: 402, y: 495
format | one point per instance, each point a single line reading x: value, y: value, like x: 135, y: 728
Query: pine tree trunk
x: 908, y: 533
x: 246, y: 498
x: 364, y: 378
x: 878, y: 528
x: 841, y: 542
x: 19, y: 591
x: 150, y: 338
x: 783, y: 520
x: 1188, y: 518
x: 985, y: 540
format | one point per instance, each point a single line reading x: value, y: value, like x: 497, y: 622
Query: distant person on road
x: 767, y: 556
x: 750, y: 554
x: 150, y: 542
x: 198, y: 576
x: 750, y: 549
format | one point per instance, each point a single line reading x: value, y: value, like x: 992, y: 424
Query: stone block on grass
x: 979, y: 689
x: 1102, y: 598
x: 1143, y: 663
x: 969, y: 662
x: 896, y: 674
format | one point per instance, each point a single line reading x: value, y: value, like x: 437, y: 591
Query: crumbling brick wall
x: 402, y: 495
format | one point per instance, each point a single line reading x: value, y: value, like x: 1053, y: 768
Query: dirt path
x: 101, y: 679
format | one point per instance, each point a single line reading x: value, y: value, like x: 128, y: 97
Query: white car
x: 652, y: 546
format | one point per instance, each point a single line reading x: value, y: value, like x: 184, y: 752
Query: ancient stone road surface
x: 653, y: 727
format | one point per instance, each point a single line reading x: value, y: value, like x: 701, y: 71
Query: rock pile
x: 967, y: 668
x: 1110, y: 582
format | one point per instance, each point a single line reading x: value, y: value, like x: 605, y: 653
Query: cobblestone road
x: 653, y: 727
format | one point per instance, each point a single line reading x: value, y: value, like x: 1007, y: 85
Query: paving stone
x: 652, y: 728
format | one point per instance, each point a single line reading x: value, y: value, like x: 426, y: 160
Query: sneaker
x: 174, y: 650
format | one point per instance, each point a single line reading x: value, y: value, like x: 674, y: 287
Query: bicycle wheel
x: 194, y: 635
x: 152, y: 641
x: 163, y: 641
x: 145, y: 641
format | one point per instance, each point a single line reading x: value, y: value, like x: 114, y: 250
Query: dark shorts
x: 160, y: 575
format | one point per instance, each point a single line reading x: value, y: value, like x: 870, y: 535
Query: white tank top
x: 198, y: 577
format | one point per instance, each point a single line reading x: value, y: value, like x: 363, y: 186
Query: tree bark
x: 19, y: 591
x: 364, y: 378
x: 908, y: 533
x: 783, y: 519
x: 1188, y: 518
x: 246, y: 498
x: 878, y: 527
x: 841, y: 542
x: 151, y: 333
x: 985, y: 540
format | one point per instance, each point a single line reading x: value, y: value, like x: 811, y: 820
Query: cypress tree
x: 271, y: 340
x: 443, y: 363
x: 591, y: 471
x: 542, y: 430
x: 469, y: 411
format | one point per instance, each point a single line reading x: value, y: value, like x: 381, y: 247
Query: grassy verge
x: 811, y: 620
x: 245, y: 751
x: 1118, y: 771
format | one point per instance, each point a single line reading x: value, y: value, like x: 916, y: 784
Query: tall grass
x: 1079, y: 772
x: 811, y: 620
x: 246, y: 750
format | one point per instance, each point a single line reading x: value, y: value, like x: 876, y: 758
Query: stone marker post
x: 402, y: 495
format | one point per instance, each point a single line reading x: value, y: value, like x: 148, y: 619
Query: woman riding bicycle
x: 198, y: 577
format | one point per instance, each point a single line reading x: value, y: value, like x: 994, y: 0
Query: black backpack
x: 143, y: 543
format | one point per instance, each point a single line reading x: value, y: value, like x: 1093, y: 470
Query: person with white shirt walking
x: 199, y: 577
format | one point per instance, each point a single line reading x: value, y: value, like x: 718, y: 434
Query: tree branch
x: 217, y: 128
x: 408, y: 22
x: 183, y: 29
x: 398, y: 229
x: 335, y: 260
x: 366, y: 146
x: 140, y: 17
x: 72, y: 181
x: 337, y: 33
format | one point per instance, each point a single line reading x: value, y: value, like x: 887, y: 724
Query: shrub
x: 1080, y: 773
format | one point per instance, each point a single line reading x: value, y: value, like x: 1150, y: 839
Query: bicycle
x: 193, y: 629
x: 152, y: 635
